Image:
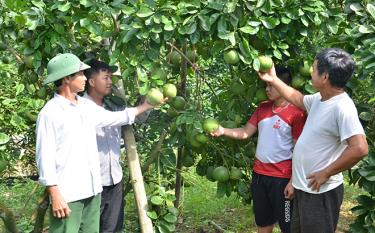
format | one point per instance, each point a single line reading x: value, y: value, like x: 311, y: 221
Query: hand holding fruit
x: 154, y: 98
x: 219, y: 132
x: 268, y: 76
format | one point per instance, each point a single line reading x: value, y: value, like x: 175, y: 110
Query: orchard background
x: 209, y: 49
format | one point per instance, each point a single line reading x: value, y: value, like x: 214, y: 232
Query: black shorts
x: 317, y: 212
x: 269, y: 203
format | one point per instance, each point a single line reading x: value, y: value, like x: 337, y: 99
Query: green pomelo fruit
x: 154, y: 97
x: 174, y: 58
x: 235, y: 173
x: 169, y: 90
x: 178, y: 103
x: 261, y: 95
x: 231, y: 57
x: 173, y: 127
x: 6, y: 60
x: 200, y: 169
x: 221, y: 174
x: 201, y: 138
x: 306, y: 69
x: 191, y: 55
x: 194, y: 142
x: 265, y: 63
x: 172, y: 112
x: 237, y: 88
x: 297, y: 82
x: 210, y: 125
x: 209, y: 173
x: 187, y: 161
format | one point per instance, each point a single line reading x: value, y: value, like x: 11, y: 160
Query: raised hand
x: 268, y: 76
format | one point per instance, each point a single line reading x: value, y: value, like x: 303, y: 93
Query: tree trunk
x: 179, y: 153
x: 40, y: 213
x: 9, y: 220
x: 137, y: 179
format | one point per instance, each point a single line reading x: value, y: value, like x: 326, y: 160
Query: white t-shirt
x: 329, y: 123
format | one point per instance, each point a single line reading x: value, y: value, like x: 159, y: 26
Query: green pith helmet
x: 63, y: 65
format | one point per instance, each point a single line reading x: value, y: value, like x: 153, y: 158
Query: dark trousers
x: 316, y: 213
x: 112, y: 209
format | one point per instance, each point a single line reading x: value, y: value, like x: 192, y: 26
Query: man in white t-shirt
x: 332, y: 141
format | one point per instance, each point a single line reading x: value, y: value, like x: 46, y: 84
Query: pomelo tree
x: 209, y: 50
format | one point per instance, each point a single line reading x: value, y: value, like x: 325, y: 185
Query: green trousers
x: 84, y: 217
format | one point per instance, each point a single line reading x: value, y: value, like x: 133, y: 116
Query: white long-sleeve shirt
x: 109, y: 147
x: 66, y: 147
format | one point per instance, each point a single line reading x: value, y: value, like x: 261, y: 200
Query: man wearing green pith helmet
x: 66, y: 148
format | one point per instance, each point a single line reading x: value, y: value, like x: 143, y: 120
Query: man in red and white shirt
x: 279, y: 124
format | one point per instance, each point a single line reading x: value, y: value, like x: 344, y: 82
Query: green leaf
x: 285, y: 20
x: 129, y: 35
x: 256, y: 64
x: 86, y: 3
x: 277, y: 54
x: 204, y: 22
x: 365, y: 29
x: 260, y: 3
x: 365, y: 200
x: 19, y: 88
x: 245, y: 48
x: 144, y: 12
x: 309, y: 88
x: 4, y: 138
x: 163, y: 229
x: 173, y: 210
x: 222, y: 25
x: 152, y: 214
x: 170, y: 218
x: 366, y: 116
x: 64, y: 7
x: 143, y: 89
x: 228, y: 36
x: 230, y: 7
x: 20, y: 19
x: 371, y: 10
x: 249, y: 30
x: 167, y: 225
x: 304, y: 21
x: 216, y: 4
x: 128, y: 10
x: 270, y: 23
x: 333, y: 27
x: 16, y: 120
x: 39, y: 3
x: 157, y: 200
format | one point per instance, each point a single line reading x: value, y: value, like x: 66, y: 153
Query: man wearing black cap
x: 99, y: 85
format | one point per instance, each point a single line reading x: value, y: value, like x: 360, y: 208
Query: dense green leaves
x: 137, y: 36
